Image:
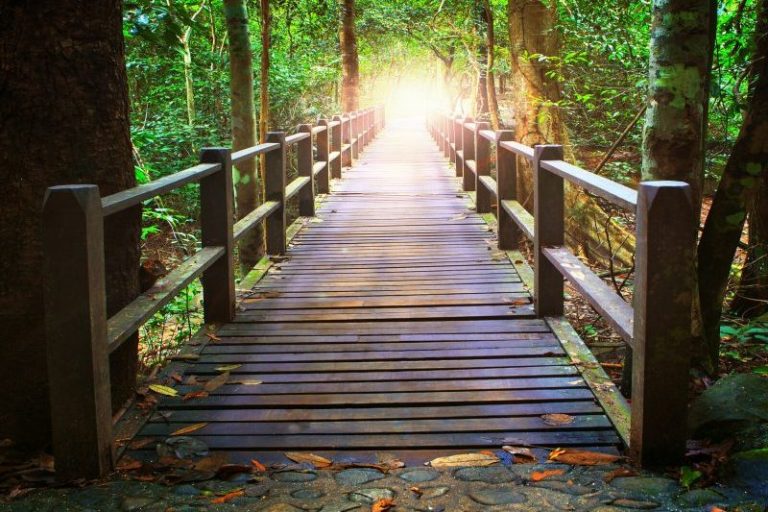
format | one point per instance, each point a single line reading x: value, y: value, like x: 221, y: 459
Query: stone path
x: 418, y: 489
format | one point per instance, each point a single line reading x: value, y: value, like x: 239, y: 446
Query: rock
x: 256, y: 490
x: 182, y: 447
x: 651, y: 486
x: 342, y: 506
x: 749, y: 470
x: 416, y: 476
x: 132, y: 503
x: 294, y: 476
x: 489, y: 475
x: 371, y: 495
x: 428, y: 493
x: 496, y: 497
x: 699, y: 498
x: 307, y: 494
x: 282, y: 507
x: 734, y: 403
x: 557, y: 485
x: 186, y: 490
x: 358, y: 476
x: 635, y: 504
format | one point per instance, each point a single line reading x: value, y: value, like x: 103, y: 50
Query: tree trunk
x: 490, y: 81
x: 188, y: 84
x: 63, y: 119
x: 246, y: 178
x: 350, y: 69
x: 675, y: 122
x: 743, y: 186
x: 266, y: 18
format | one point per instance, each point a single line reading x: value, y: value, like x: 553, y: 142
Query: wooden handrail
x: 657, y: 328
x: 80, y: 337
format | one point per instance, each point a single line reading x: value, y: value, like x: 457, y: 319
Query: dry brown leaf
x: 537, y: 476
x: 416, y: 491
x: 558, y: 419
x: 216, y: 382
x: 618, y: 473
x: 228, y: 367
x: 522, y: 454
x: 464, y: 459
x: 129, y: 464
x: 383, y: 505
x: 189, y: 429
x: 258, y: 466
x: 211, y: 463
x: 581, y: 457
x: 516, y: 302
x: 195, y: 394
x: 212, y: 337
x: 175, y: 376
x: 228, y: 497
x: 311, y: 458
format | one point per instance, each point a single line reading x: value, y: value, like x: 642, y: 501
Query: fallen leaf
x: 129, y: 464
x: 464, y: 459
x: 618, y: 473
x: 212, y: 463
x: 195, y: 394
x: 228, y: 497
x: 163, y: 390
x: 271, y: 294
x: 216, y: 382
x: 227, y: 470
x: 418, y: 492
x: 191, y: 380
x: 716, y: 509
x: 249, y: 382
x: 516, y: 302
x: 311, y: 458
x: 522, y: 454
x: 175, y: 376
x: 228, y: 368
x: 258, y: 466
x: 537, y: 476
x: 189, y: 429
x: 581, y: 457
x: 558, y: 419
x: 212, y: 337
x: 138, y: 444
x: 383, y: 505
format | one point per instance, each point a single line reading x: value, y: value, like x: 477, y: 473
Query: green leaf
x: 688, y: 476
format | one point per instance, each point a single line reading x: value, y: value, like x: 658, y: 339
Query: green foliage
x: 689, y: 476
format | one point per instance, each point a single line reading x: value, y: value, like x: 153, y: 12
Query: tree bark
x: 266, y: 35
x: 350, y: 68
x: 490, y: 80
x: 743, y: 187
x: 63, y: 119
x: 246, y: 178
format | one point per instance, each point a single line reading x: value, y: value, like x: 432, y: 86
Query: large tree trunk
x: 539, y: 120
x: 743, y: 187
x: 266, y: 36
x: 350, y: 69
x: 490, y: 80
x: 246, y: 177
x: 63, y: 119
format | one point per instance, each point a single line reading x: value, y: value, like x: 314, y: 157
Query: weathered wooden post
x: 444, y: 124
x: 354, y: 134
x: 346, y: 140
x: 482, y: 168
x: 76, y: 331
x: 549, y: 221
x: 458, y: 130
x: 323, y: 150
x: 451, y: 140
x: 468, y: 145
x: 305, y: 162
x: 336, y: 143
x: 665, y: 252
x: 274, y: 190
x: 506, y: 184
x: 216, y: 214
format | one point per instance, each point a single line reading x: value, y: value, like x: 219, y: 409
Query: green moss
x: 683, y: 82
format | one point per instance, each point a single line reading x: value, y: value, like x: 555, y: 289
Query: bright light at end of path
x: 414, y: 97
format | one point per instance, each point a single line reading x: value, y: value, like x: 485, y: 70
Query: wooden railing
x: 657, y: 328
x: 80, y: 337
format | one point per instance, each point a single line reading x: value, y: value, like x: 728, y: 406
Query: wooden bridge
x: 395, y: 319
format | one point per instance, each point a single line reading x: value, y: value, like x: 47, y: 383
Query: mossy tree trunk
x: 246, y: 179
x: 490, y: 79
x: 350, y: 67
x: 63, y: 120
x: 266, y: 43
x: 743, y: 189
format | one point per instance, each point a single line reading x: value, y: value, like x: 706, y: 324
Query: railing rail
x: 657, y: 326
x: 80, y: 337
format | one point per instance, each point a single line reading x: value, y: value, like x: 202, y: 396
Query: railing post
x: 274, y: 190
x: 665, y: 251
x: 468, y: 145
x: 506, y: 179
x: 451, y: 139
x: 549, y: 222
x: 323, y: 149
x: 305, y: 162
x: 216, y: 217
x: 458, y: 130
x: 354, y: 134
x: 483, y: 168
x: 346, y: 140
x: 336, y: 142
x: 76, y: 331
x: 444, y: 121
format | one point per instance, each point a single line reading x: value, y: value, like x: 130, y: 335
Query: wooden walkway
x: 394, y: 324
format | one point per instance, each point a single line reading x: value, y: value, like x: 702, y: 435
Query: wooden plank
x: 295, y: 186
x: 250, y: 221
x: 520, y: 216
x: 244, y: 154
x: 615, y: 193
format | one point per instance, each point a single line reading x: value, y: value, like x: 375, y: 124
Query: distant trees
x: 63, y: 119
x: 350, y: 67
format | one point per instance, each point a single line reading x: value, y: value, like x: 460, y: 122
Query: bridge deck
x: 394, y: 324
